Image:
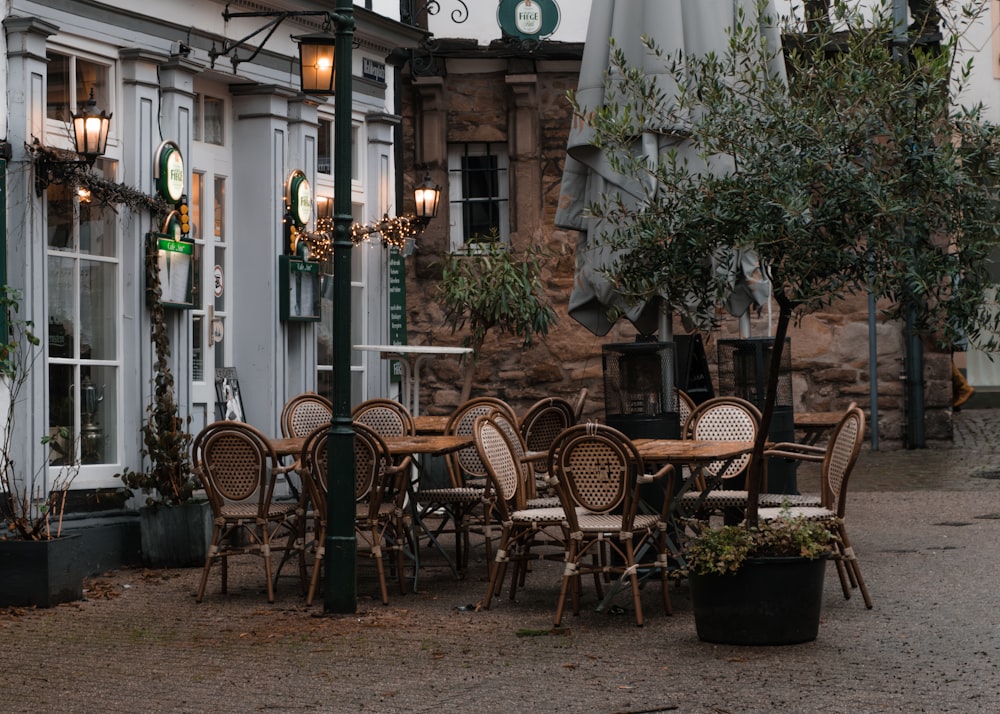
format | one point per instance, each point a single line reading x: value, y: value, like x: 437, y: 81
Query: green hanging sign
x: 528, y: 19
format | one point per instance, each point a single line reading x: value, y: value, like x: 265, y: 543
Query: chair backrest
x: 303, y: 413
x: 685, y: 405
x: 465, y: 463
x: 386, y: 416
x: 503, y: 466
x: 234, y: 460
x: 543, y: 422
x: 724, y: 419
x: 581, y: 398
x: 371, y: 457
x: 595, y: 466
x: 841, y: 454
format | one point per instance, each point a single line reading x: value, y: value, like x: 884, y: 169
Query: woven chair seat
x: 810, y: 513
x: 539, y: 515
x: 450, y: 495
x: 716, y: 499
x: 779, y: 500
x: 723, y: 498
x: 385, y: 511
x: 543, y: 502
x: 608, y: 522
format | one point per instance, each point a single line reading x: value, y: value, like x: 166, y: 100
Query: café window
x: 478, y: 192
x: 209, y: 121
x: 324, y: 147
x: 70, y: 80
x: 83, y: 345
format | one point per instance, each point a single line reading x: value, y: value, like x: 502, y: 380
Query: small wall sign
x: 174, y: 264
x: 528, y: 19
x: 168, y: 171
x: 298, y: 197
x: 298, y: 289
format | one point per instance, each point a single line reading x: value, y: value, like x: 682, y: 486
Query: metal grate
x: 743, y: 370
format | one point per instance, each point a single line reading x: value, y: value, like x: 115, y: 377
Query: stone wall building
x: 511, y: 101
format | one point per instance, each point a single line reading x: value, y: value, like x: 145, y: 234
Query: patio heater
x: 639, y: 396
x: 743, y: 370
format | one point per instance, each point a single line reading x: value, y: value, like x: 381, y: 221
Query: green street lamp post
x: 340, y: 548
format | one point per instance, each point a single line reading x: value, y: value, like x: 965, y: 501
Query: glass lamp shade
x: 427, y: 195
x: 90, y: 130
x: 316, y: 52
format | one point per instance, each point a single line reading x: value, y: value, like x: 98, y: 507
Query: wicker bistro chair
x: 539, y: 427
x: 386, y: 417
x: 462, y: 502
x: 519, y: 527
x: 600, y: 474
x: 719, y: 419
x: 304, y: 413
x: 838, y: 459
x: 381, y: 520
x: 238, y: 468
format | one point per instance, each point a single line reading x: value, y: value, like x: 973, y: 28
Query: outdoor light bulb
x: 323, y: 63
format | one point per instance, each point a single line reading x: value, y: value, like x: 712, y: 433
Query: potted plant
x: 491, y: 286
x: 758, y: 585
x: 843, y: 163
x: 175, y: 527
x: 39, y: 563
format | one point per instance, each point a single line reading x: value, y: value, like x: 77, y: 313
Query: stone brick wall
x: 497, y: 95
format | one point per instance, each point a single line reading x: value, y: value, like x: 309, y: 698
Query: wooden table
x: 690, y: 451
x: 814, y: 425
x: 430, y: 444
x: 425, y: 445
x: 430, y: 424
x: 291, y: 446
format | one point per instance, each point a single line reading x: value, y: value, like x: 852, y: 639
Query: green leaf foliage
x: 845, y: 160
x: 490, y: 286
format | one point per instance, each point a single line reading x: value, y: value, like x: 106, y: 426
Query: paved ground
x: 926, y: 525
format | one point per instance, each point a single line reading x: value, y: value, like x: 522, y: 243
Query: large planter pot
x: 769, y: 601
x: 175, y: 536
x: 40, y: 573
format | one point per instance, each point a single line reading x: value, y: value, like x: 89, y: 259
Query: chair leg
x: 854, y: 566
x: 317, y: 563
x: 499, y: 569
x: 213, y: 549
x: 376, y: 553
x: 265, y: 552
x: 634, y: 579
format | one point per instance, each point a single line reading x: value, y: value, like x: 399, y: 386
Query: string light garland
x: 394, y: 231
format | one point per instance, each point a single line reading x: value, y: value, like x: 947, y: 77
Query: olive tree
x: 852, y: 167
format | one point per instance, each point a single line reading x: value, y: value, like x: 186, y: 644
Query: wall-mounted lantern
x: 90, y: 140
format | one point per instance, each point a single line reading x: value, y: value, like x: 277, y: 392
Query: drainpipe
x: 914, y: 384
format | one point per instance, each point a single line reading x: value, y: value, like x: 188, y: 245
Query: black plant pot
x: 175, y: 536
x: 40, y: 573
x: 769, y: 601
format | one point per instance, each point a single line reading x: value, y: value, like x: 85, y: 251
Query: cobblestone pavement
x: 925, y: 524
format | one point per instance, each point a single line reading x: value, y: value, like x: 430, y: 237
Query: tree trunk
x: 755, y: 477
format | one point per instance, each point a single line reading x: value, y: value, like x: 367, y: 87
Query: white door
x: 210, y: 204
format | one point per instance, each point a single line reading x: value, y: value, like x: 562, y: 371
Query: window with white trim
x: 478, y: 191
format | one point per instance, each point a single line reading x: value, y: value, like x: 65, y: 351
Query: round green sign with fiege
x: 168, y: 168
x: 528, y: 19
x: 299, y: 197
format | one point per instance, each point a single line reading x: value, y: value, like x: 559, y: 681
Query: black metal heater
x: 639, y: 395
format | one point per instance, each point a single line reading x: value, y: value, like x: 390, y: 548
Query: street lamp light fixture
x: 427, y: 196
x: 90, y: 130
x: 90, y: 140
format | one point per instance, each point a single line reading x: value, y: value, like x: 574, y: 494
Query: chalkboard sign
x: 299, y: 290
x: 397, y: 308
x: 229, y: 404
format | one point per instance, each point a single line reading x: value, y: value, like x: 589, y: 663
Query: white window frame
x: 456, y: 193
